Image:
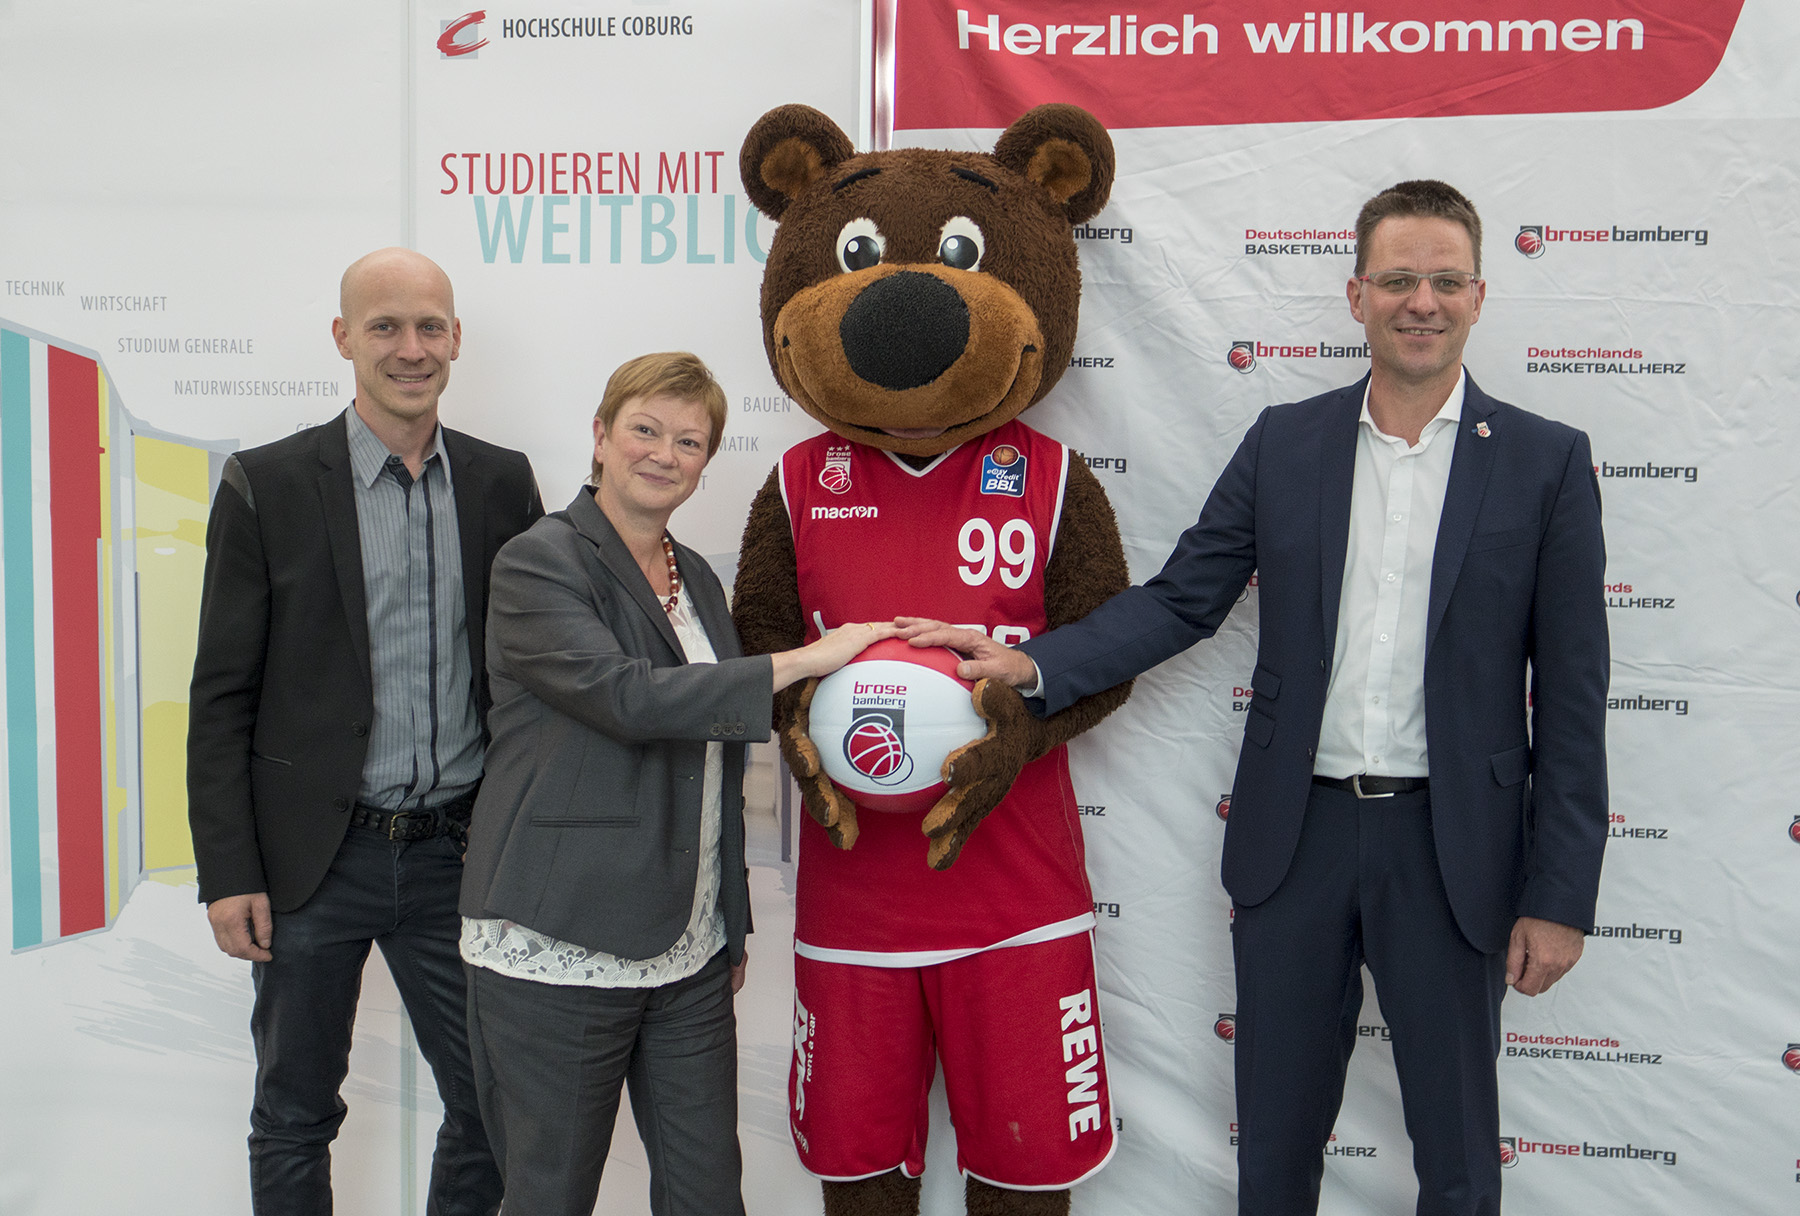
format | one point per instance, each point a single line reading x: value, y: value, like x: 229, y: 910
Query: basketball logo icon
x: 835, y: 476
x: 874, y: 747
x: 1530, y: 240
x: 1242, y: 356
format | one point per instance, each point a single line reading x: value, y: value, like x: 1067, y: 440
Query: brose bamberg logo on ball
x: 875, y: 744
x: 886, y: 722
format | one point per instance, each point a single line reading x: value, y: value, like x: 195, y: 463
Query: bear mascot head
x: 917, y: 291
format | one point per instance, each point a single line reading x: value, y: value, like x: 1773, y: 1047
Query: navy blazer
x: 1516, y: 660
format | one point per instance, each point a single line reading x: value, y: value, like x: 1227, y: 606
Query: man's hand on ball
x: 987, y: 659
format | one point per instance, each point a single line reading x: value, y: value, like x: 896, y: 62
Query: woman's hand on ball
x: 830, y: 652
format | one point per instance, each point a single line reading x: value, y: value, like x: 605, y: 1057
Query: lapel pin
x: 1481, y: 428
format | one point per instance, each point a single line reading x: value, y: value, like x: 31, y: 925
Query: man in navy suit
x: 1422, y: 782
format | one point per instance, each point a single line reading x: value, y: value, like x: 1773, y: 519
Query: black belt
x: 450, y: 819
x: 1365, y: 786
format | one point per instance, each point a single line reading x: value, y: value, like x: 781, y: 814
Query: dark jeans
x: 550, y: 1060
x: 403, y: 896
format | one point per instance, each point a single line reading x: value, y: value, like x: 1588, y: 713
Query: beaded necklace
x: 674, y: 576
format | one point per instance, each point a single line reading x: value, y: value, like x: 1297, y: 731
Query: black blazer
x: 1518, y: 787
x: 588, y: 823
x: 281, y: 701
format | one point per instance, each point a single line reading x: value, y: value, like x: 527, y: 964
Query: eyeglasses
x: 1405, y: 282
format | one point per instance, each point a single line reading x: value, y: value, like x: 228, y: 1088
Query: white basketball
x: 884, y: 722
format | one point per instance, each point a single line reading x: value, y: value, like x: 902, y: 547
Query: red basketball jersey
x: 964, y: 540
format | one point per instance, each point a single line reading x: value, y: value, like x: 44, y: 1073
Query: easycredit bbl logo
x: 1534, y: 239
x: 1003, y: 472
x: 461, y: 38
x: 1245, y: 354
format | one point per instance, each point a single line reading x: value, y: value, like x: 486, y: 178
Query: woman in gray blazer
x: 605, y: 897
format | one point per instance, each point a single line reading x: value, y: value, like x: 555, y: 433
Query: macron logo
x: 846, y: 512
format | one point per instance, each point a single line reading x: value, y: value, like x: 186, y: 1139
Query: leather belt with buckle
x: 398, y: 825
x: 1365, y: 786
x: 450, y: 819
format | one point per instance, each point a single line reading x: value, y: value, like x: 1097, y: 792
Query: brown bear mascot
x: 915, y: 302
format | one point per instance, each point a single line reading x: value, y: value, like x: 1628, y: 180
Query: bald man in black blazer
x: 336, y: 724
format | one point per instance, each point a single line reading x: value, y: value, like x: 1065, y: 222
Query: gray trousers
x: 549, y: 1060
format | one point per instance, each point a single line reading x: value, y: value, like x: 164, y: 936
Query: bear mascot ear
x: 1065, y: 150
x: 789, y: 149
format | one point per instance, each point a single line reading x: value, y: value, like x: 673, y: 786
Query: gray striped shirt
x: 425, y: 743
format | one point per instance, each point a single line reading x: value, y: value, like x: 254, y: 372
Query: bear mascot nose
x: 905, y: 330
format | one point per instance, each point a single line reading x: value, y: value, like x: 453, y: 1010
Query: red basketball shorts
x: 1018, y: 1031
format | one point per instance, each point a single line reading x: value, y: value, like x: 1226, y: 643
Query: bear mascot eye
x: 960, y: 245
x: 860, y: 245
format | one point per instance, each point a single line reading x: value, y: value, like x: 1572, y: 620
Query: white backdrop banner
x: 184, y: 182
x: 1633, y: 163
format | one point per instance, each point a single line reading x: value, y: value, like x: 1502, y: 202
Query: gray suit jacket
x: 588, y: 823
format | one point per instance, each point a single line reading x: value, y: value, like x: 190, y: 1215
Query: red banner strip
x: 1152, y: 64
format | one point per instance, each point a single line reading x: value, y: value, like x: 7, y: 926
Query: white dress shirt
x: 1375, y: 703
